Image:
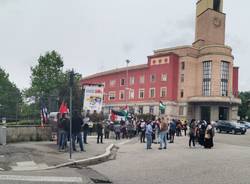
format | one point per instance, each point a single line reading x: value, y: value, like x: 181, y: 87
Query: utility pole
x: 71, y: 82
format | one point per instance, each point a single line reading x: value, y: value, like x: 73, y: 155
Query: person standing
x: 143, y: 130
x: 77, y: 123
x: 64, y: 124
x: 172, y: 130
x: 209, y: 134
x: 192, y: 132
x: 85, y: 132
x: 148, y: 134
x: 163, y: 133
x: 99, y: 130
x: 117, y: 129
x: 106, y: 130
x: 185, y: 128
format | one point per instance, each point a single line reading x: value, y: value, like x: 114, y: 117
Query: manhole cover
x: 100, y: 181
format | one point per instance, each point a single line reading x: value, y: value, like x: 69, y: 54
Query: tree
x: 244, y: 108
x: 47, y: 76
x: 77, y: 100
x: 10, y: 97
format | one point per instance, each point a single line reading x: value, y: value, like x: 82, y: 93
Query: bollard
x: 3, y: 135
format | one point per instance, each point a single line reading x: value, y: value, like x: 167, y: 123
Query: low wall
x: 28, y: 133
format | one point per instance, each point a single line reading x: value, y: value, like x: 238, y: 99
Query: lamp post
x: 71, y: 82
x: 126, y: 96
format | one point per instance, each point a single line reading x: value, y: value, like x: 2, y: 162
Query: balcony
x: 215, y: 99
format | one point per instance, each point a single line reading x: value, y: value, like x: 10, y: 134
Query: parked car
x: 245, y: 123
x: 230, y: 126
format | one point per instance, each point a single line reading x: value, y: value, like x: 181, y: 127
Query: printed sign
x: 93, y: 98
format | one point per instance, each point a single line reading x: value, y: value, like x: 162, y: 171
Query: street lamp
x: 126, y: 96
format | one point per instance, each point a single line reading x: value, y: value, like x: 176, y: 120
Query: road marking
x: 40, y: 178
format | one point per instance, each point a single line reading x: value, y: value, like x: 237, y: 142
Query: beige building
x: 208, y: 81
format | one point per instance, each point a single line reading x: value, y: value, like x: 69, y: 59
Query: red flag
x: 63, y: 108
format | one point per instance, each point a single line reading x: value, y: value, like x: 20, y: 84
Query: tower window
x: 217, y: 5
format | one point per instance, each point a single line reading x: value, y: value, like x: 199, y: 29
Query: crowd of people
x: 159, y: 131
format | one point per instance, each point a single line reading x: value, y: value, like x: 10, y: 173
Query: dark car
x: 230, y: 126
x: 245, y: 123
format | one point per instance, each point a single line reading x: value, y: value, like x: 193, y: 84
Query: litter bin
x: 2, y: 135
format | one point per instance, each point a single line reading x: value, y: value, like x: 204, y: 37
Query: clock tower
x: 210, y: 23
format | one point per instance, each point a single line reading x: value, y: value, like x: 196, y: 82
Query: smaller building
x: 141, y: 87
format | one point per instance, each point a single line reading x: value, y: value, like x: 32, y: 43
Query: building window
x: 142, y: 79
x: 132, y: 80
x: 163, y: 92
x: 112, y: 83
x: 224, y: 78
x: 183, y: 65
x: 131, y: 94
x: 111, y: 95
x: 121, y: 95
x: 206, y: 84
x: 151, y: 109
x: 182, y: 93
x: 164, y: 77
x: 152, y: 78
x: 140, y: 109
x: 182, y: 77
x: 152, y: 92
x: 181, y: 110
x: 141, y: 93
x: 122, y: 82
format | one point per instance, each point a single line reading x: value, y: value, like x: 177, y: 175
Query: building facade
x: 197, y: 81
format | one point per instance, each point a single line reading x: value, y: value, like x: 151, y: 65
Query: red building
x: 145, y: 86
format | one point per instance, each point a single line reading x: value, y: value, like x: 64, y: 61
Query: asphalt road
x: 231, y: 139
x: 58, y: 176
x: 227, y: 163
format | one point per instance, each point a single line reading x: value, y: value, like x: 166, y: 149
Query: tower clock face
x: 216, y: 21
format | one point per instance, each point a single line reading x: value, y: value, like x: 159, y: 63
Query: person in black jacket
x: 99, y: 130
x: 77, y: 123
x: 85, y: 132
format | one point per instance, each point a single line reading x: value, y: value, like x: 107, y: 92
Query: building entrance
x: 223, y: 113
x: 205, y: 113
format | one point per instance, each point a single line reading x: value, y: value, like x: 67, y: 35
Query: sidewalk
x: 43, y: 155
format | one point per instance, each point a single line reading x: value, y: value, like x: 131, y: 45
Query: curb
x: 88, y: 161
x: 84, y: 162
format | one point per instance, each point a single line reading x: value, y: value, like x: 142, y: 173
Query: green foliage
x: 63, y: 90
x: 244, y: 109
x: 10, y: 97
x: 47, y: 76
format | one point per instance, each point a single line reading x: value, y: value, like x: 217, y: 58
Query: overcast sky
x: 98, y: 35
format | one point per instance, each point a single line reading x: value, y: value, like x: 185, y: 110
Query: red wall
x: 235, y: 81
x: 171, y: 69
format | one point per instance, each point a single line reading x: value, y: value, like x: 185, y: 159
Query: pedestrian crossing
x: 40, y: 179
x: 28, y: 166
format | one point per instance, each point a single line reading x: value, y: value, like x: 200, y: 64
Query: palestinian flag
x: 162, y: 106
x: 119, y: 115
